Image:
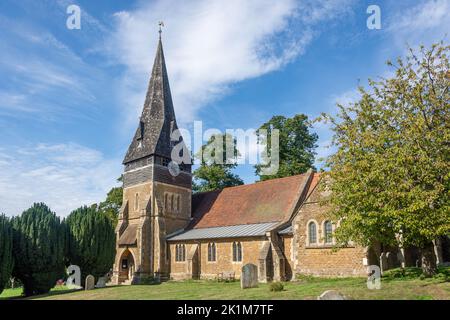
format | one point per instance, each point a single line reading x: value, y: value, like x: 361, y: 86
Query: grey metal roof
x: 287, y: 230
x: 243, y: 230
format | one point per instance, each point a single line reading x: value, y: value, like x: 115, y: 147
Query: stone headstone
x: 383, y: 262
x: 101, y: 282
x: 331, y: 295
x: 249, y: 276
x: 392, y: 260
x: 89, y: 283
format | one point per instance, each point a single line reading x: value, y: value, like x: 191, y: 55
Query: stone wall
x: 251, y: 248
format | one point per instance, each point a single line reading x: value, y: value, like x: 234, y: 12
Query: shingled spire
x: 157, y: 121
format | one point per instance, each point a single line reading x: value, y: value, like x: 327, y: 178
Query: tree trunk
x: 429, y: 266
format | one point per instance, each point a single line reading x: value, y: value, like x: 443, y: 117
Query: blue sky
x: 70, y: 99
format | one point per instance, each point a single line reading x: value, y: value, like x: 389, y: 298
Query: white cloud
x: 210, y: 45
x: 64, y: 176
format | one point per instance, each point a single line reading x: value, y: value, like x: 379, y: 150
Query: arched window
x: 312, y: 233
x: 172, y: 203
x: 136, y: 202
x: 178, y: 203
x: 237, y: 252
x: 180, y: 252
x: 328, y: 231
x: 211, y: 252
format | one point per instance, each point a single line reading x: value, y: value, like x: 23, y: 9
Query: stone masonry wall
x: 320, y: 259
x: 224, y: 257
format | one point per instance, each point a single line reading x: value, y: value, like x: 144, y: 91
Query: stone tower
x: 157, y: 191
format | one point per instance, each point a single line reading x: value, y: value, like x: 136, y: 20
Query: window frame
x: 328, y: 234
x: 212, y: 252
x: 237, y: 254
x: 310, y: 239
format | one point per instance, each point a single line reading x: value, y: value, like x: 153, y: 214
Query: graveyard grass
x: 396, y: 285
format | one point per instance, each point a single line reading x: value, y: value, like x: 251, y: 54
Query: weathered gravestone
x: 89, y: 284
x: 383, y: 262
x: 249, y: 276
x: 392, y: 260
x: 101, y: 282
x: 331, y: 295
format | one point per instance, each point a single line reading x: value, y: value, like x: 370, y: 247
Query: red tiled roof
x: 267, y: 201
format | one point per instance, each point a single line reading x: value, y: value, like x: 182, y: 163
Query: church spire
x: 157, y: 120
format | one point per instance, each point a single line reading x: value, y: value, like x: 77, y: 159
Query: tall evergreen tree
x: 91, y: 241
x: 296, y: 146
x: 6, y: 258
x: 38, y: 249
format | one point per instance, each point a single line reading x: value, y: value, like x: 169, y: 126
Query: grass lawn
x: 394, y: 286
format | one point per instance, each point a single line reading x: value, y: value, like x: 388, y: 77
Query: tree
x: 38, y: 249
x: 113, y: 202
x: 111, y: 206
x: 296, y: 146
x: 389, y: 179
x: 6, y: 258
x: 91, y: 243
x: 215, y: 171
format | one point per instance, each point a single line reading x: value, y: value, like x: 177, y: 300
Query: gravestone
x: 249, y: 276
x: 101, y: 283
x: 383, y: 262
x: 331, y: 295
x: 392, y: 260
x: 89, y: 283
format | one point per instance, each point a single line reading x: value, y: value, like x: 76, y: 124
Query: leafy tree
x: 390, y: 175
x: 215, y: 171
x: 6, y: 258
x: 111, y: 206
x: 296, y: 146
x: 38, y: 249
x: 91, y: 241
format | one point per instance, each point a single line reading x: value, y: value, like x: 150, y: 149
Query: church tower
x: 157, y: 189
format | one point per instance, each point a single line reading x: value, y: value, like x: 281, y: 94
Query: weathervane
x: 161, y: 24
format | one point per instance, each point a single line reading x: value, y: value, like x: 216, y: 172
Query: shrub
x: 6, y: 258
x: 276, y: 286
x: 91, y: 242
x: 38, y: 249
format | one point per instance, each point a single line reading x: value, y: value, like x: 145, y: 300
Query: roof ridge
x: 236, y: 225
x: 260, y: 182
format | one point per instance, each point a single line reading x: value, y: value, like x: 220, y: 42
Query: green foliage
x: 276, y: 286
x: 402, y: 273
x: 296, y: 146
x: 6, y: 258
x: 215, y: 171
x: 111, y: 206
x: 390, y: 176
x: 90, y: 241
x: 38, y: 249
x: 113, y: 202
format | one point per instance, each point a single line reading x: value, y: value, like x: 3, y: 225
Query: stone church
x: 167, y: 232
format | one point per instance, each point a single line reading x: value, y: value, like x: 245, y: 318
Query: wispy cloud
x: 64, y: 176
x: 424, y: 22
x: 210, y: 45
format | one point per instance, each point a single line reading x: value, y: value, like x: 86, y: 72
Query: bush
x: 91, y: 242
x: 148, y: 280
x: 276, y: 286
x: 6, y: 258
x: 38, y: 249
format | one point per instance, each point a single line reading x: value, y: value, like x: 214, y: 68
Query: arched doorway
x: 126, y: 267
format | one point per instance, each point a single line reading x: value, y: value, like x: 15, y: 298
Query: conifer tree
x: 6, y: 259
x: 38, y: 249
x: 90, y: 241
